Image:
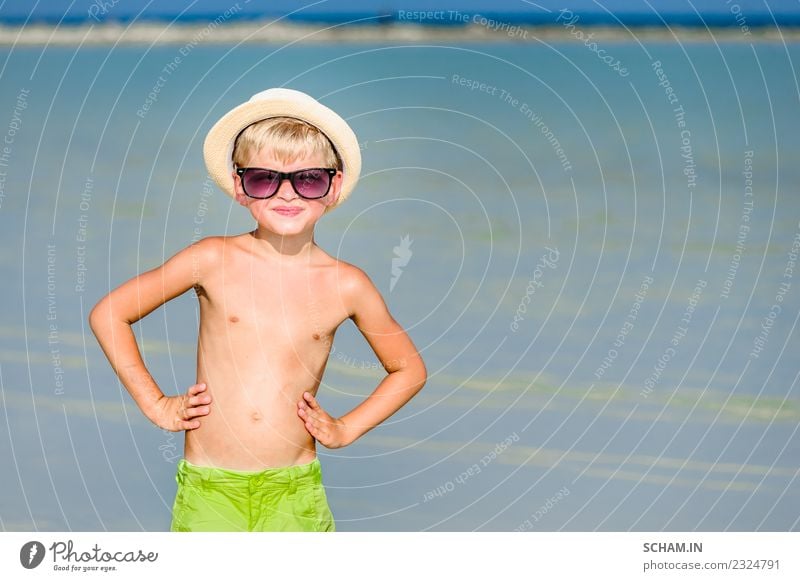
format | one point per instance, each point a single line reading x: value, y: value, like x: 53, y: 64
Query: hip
x: 289, y: 498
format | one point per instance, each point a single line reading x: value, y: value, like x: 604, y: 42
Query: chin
x: 284, y: 227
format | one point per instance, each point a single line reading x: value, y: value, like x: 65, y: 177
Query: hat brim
x: 280, y: 102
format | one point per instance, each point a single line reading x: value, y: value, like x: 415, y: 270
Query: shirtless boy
x: 270, y: 303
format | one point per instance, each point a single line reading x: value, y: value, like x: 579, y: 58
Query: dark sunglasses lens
x: 313, y: 183
x: 259, y: 183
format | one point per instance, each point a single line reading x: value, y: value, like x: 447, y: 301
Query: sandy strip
x: 271, y: 32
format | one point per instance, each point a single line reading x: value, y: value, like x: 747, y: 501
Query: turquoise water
x: 596, y: 311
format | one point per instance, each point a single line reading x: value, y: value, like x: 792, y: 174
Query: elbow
x: 94, y: 318
x: 99, y: 315
x: 421, y: 374
x: 413, y: 372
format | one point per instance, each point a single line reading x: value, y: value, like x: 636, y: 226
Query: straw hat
x: 280, y: 102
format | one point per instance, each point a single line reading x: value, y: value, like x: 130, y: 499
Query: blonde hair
x: 288, y: 139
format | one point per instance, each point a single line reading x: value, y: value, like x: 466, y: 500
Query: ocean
x: 593, y: 246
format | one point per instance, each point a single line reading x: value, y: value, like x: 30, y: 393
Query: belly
x: 252, y: 425
x: 256, y: 375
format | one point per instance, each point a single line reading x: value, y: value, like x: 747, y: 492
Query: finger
x: 196, y: 388
x: 196, y: 411
x: 312, y: 402
x: 189, y: 425
x: 199, y: 400
x: 309, y: 423
x: 321, y: 419
x: 321, y: 415
x: 312, y: 429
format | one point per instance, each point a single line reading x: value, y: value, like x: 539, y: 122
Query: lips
x: 287, y: 211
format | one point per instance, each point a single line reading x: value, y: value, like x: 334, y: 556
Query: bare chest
x: 296, y: 309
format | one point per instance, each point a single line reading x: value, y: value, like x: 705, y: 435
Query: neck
x: 296, y: 248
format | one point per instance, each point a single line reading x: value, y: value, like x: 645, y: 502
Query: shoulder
x: 357, y: 289
x: 207, y: 250
x: 205, y: 256
x: 352, y: 280
x: 213, y: 249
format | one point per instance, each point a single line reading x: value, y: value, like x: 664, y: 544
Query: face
x: 286, y: 213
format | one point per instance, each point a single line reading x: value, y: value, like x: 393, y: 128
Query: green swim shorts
x: 290, y: 498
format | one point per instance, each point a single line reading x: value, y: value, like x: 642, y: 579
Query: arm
x: 111, y: 321
x: 405, y: 369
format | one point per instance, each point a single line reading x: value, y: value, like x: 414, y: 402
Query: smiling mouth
x: 288, y: 211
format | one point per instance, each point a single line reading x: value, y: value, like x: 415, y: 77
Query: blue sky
x: 54, y: 9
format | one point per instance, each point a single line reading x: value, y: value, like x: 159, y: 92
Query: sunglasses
x: 310, y: 184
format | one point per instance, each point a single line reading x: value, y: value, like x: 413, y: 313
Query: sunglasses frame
x: 287, y: 176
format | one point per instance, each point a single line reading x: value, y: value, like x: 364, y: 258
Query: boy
x: 270, y: 303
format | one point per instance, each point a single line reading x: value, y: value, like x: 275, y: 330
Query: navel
x: 316, y: 336
x: 234, y: 319
x: 255, y: 416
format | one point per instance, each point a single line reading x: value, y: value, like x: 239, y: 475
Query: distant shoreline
x: 222, y: 31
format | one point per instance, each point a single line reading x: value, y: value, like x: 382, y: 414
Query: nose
x: 286, y: 190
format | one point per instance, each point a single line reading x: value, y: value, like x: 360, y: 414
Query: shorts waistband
x: 297, y: 474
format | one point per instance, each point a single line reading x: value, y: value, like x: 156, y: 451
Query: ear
x: 237, y: 189
x: 336, y: 188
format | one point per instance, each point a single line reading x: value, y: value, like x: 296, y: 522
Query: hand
x: 181, y: 412
x: 327, y: 430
